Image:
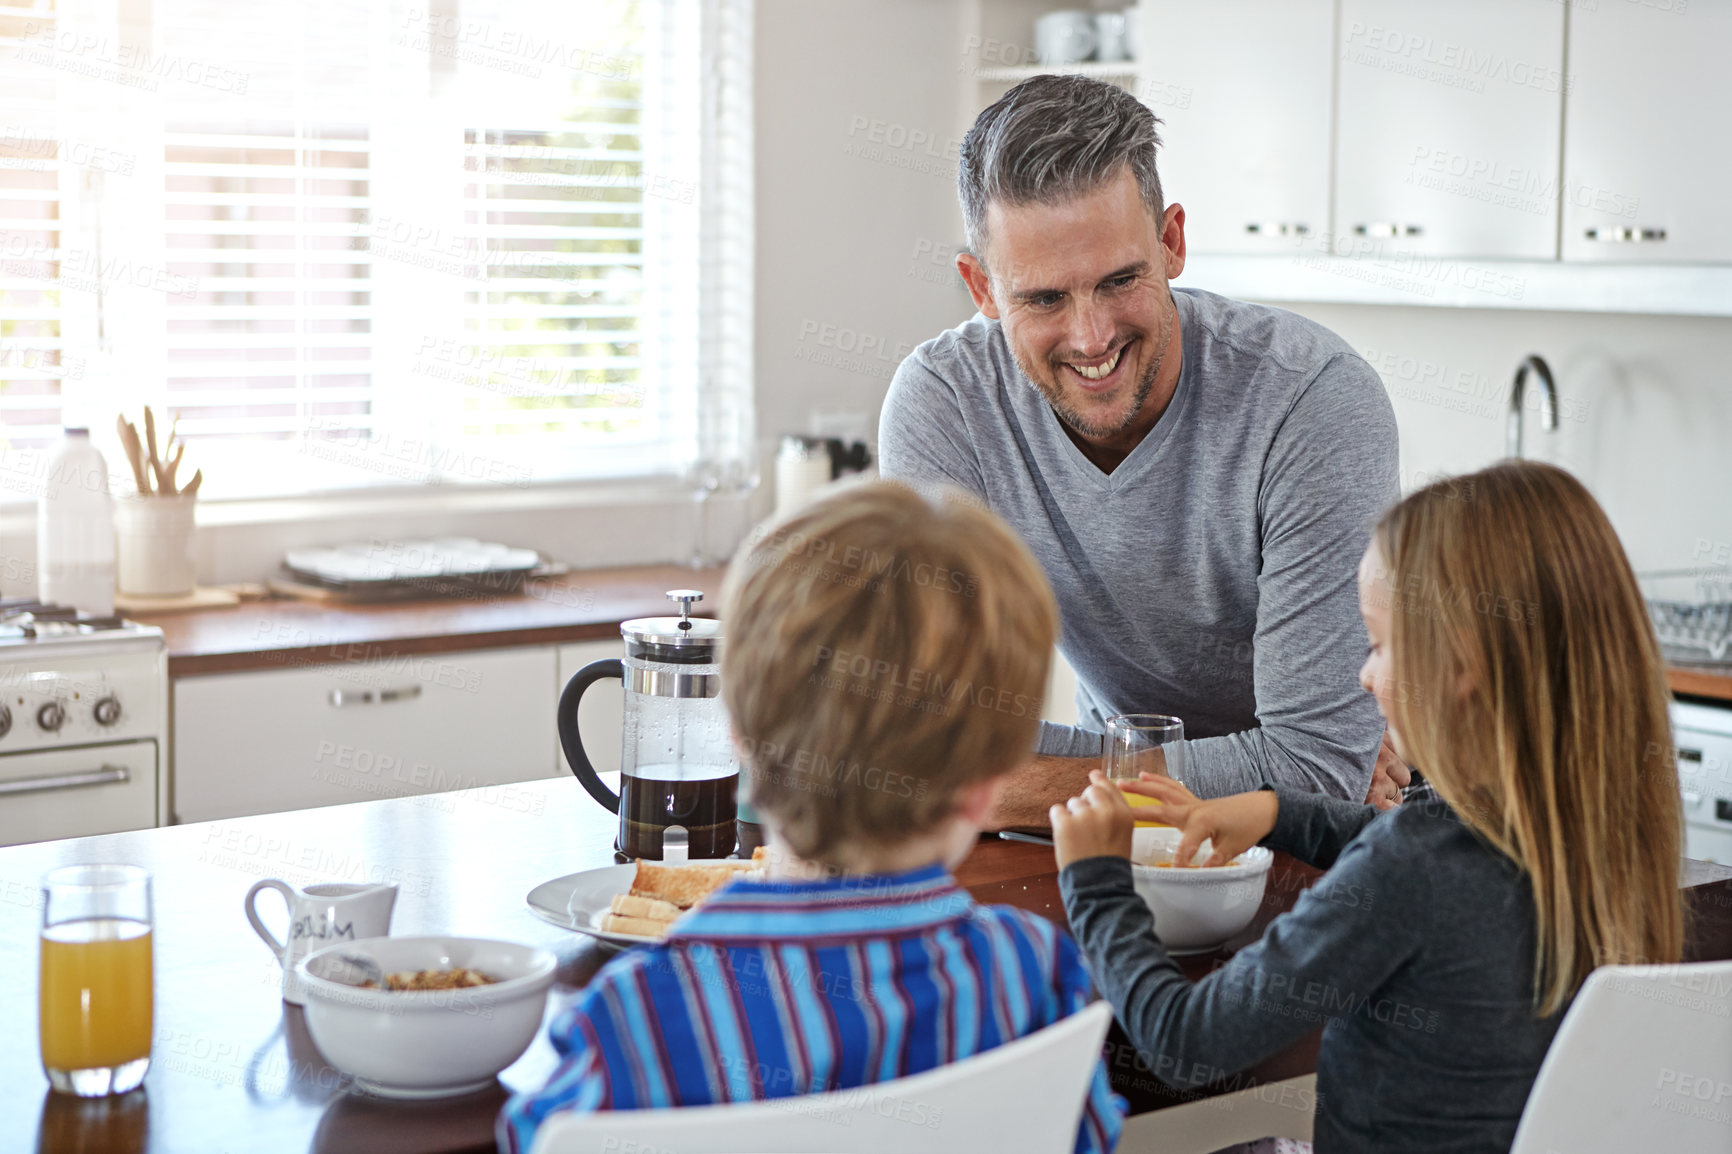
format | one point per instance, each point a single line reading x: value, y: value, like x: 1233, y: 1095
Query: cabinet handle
x: 107, y: 775
x: 1278, y: 228
x: 1625, y: 235
x: 345, y: 697
x: 1387, y: 228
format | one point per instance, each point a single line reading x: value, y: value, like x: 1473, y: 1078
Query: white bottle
x: 802, y: 468
x: 75, y: 529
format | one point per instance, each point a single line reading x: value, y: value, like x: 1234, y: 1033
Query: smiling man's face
x: 1081, y: 290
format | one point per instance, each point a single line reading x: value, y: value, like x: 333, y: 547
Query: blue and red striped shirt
x: 778, y: 988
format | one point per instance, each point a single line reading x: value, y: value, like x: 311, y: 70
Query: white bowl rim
x: 1256, y: 862
x: 542, y: 964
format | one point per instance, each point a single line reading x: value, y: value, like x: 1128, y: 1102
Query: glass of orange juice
x: 97, y: 983
x: 1138, y: 743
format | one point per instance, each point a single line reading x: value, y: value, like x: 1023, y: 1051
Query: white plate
x: 579, y: 901
x: 410, y: 560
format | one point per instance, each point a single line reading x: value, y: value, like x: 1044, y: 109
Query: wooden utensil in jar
x: 134, y: 454
x: 154, y: 473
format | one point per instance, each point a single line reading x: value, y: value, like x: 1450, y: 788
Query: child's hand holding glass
x: 1233, y: 824
x: 1098, y: 822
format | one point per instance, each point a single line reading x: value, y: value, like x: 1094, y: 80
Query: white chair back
x: 1642, y: 1061
x: 1026, y: 1095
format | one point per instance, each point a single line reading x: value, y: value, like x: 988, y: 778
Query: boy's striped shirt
x: 771, y: 989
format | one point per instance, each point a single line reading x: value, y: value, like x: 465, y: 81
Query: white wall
x: 1645, y: 420
x: 857, y: 110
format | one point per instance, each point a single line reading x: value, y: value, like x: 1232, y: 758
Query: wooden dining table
x: 233, y: 1070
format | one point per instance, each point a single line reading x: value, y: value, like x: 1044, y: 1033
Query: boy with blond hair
x: 885, y: 662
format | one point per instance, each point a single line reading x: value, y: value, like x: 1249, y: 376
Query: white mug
x: 322, y: 915
x: 1110, y: 36
x: 1065, y: 37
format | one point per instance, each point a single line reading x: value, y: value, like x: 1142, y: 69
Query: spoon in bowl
x: 372, y: 972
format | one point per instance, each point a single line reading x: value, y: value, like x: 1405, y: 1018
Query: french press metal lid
x: 682, y: 640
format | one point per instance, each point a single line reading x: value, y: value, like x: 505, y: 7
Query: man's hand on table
x: 1027, y: 793
x: 1389, y: 778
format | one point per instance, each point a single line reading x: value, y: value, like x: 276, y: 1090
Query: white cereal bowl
x: 1196, y: 909
x: 425, y: 1043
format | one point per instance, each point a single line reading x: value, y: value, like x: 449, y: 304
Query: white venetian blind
x: 33, y: 357
x: 271, y: 331
x: 555, y: 323
x: 557, y: 207
x: 267, y: 328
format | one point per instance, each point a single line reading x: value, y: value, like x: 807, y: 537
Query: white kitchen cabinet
x: 262, y: 742
x: 601, y: 718
x: 1449, y: 117
x: 1645, y: 160
x: 1243, y: 90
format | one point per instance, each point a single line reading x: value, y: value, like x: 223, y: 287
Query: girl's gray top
x: 1211, y: 574
x: 1415, y: 953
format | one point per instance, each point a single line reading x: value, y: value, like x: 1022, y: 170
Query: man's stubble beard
x: 1076, y: 421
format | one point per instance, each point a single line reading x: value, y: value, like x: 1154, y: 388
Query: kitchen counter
x: 1714, y: 682
x: 581, y: 606
x: 282, y: 633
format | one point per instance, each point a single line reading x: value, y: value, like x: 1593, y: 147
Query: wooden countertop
x: 1711, y: 682
x: 581, y: 606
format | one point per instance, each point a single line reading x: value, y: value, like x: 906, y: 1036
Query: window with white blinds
x: 33, y: 363
x: 374, y: 244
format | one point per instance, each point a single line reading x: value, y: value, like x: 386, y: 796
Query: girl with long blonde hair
x: 1512, y: 657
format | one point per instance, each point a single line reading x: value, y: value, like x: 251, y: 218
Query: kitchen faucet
x: 1548, y: 402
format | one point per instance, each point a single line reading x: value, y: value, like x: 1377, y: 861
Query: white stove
x: 1703, y: 737
x: 83, y: 724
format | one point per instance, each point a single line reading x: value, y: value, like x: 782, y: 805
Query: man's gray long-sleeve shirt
x: 1415, y: 953
x: 1211, y: 574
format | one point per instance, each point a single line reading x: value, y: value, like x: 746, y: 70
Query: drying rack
x: 1692, y: 614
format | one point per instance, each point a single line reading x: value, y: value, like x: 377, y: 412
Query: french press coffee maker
x: 678, y: 773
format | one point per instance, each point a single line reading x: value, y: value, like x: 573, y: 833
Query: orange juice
x: 1137, y: 800
x: 96, y: 993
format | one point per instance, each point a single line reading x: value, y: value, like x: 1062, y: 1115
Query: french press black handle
x: 575, y: 757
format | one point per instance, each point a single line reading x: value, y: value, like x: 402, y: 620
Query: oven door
x: 76, y: 792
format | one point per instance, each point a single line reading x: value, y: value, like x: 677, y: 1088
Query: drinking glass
x: 97, y: 982
x: 1143, y: 742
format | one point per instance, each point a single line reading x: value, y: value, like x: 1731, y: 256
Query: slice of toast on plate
x: 661, y: 893
x: 685, y: 886
x: 642, y: 927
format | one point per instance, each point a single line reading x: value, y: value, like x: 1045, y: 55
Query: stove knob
x: 108, y: 711
x: 51, y: 716
x: 5, y: 721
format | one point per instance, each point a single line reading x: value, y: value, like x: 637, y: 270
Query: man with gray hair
x: 1197, y: 475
